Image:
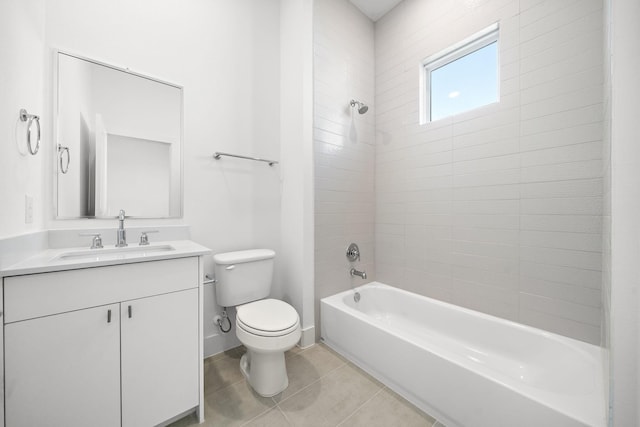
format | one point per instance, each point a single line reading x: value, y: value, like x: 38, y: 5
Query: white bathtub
x: 464, y: 367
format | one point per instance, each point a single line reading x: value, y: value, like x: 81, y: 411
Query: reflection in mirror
x: 124, y: 137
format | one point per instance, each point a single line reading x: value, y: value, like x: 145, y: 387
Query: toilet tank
x: 243, y: 276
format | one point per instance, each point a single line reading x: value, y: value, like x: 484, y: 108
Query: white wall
x: 344, y: 145
x: 296, y: 118
x: 21, y: 86
x: 498, y: 209
x: 625, y: 211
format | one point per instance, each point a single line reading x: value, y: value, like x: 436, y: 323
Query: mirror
x: 119, y: 142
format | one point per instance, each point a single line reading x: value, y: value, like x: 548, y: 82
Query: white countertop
x: 82, y: 257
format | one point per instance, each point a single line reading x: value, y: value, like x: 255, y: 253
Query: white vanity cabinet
x: 64, y: 367
x: 104, y: 346
x: 159, y: 348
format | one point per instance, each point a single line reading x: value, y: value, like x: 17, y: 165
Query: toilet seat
x: 268, y: 318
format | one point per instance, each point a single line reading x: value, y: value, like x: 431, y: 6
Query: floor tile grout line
x: 259, y: 415
x: 296, y: 393
x: 311, y: 383
x: 223, y: 388
x: 291, y: 423
x: 358, y: 408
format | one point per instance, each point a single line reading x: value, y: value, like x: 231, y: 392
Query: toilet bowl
x: 267, y: 328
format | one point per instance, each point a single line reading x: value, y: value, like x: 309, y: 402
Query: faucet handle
x: 144, y: 239
x: 353, y: 252
x: 96, y: 243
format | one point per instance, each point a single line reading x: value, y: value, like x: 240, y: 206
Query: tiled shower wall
x: 344, y: 145
x: 498, y: 209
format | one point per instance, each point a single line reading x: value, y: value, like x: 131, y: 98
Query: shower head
x: 361, y: 107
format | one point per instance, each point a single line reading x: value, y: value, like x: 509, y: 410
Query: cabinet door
x: 159, y: 357
x: 64, y: 370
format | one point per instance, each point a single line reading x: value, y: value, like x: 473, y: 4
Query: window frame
x: 451, y: 54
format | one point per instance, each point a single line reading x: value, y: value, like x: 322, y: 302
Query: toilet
x: 267, y: 327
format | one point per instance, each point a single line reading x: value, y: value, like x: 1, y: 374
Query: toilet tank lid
x: 243, y: 256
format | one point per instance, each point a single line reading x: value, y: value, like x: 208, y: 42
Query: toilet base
x: 265, y: 372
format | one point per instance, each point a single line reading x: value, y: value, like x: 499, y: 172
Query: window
x: 461, y: 78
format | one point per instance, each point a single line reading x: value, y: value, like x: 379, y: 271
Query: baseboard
x: 308, y: 337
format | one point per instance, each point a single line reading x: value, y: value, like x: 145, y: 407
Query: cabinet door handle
x: 129, y: 311
x: 108, y: 316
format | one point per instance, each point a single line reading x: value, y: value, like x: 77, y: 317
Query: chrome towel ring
x: 64, y: 168
x: 30, y: 119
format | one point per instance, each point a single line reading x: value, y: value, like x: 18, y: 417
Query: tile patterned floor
x: 324, y: 390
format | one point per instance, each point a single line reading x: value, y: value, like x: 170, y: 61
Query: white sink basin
x: 113, y: 253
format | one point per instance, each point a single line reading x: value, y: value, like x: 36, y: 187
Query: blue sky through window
x: 466, y: 83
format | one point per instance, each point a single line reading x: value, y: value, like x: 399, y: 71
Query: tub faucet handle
x: 353, y: 252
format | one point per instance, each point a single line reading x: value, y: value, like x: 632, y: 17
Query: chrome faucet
x: 121, y: 238
x: 362, y: 274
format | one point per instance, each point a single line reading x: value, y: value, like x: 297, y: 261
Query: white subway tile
x: 493, y: 192
x: 552, y: 189
x: 561, y: 291
x: 554, y: 31
x: 487, y: 207
x: 441, y: 168
x: 534, y: 10
x: 562, y: 120
x: 587, y: 169
x: 560, y: 51
x: 494, y: 250
x: 562, y: 206
x: 500, y: 221
x: 562, y: 257
x: 562, y: 240
x: 433, y: 194
x: 563, y: 154
x: 488, y: 262
x: 490, y: 178
x: 496, y: 163
x: 559, y: 308
x: 432, y: 183
x: 561, y: 325
x: 563, y: 274
x: 437, y: 207
x: 486, y: 300
x: 509, y: 132
x: 497, y: 119
x: 583, y: 97
x: 565, y: 16
x: 562, y: 83
x: 485, y: 277
x: 501, y: 236
x: 564, y: 136
x: 428, y: 284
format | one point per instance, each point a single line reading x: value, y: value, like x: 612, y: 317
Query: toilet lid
x: 269, y: 317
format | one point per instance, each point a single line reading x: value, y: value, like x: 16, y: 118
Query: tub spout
x: 362, y: 274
